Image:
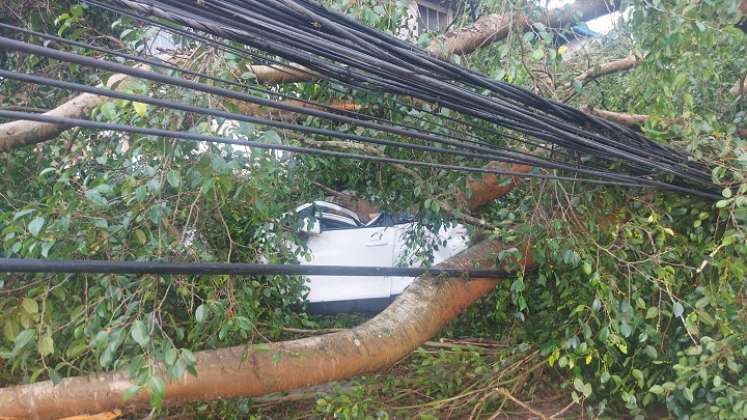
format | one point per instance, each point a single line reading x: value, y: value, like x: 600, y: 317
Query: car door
x: 399, y: 251
x: 350, y: 245
x: 456, y: 242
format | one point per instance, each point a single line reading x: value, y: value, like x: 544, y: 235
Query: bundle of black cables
x: 338, y: 48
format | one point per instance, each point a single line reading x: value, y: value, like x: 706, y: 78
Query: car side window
x: 336, y: 222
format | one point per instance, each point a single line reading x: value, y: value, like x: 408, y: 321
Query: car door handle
x: 374, y: 244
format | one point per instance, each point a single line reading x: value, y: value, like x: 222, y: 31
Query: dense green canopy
x: 636, y: 305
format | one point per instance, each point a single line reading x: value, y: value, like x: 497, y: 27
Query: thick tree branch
x: 283, y: 74
x: 23, y: 133
x: 417, y: 314
x: 615, y: 66
x: 630, y: 120
x: 489, y: 187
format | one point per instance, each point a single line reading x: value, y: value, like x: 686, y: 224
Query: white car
x: 336, y: 236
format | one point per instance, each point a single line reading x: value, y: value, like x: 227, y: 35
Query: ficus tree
x: 634, y: 299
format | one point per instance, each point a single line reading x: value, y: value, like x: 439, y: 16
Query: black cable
x: 161, y: 64
x: 229, y: 115
x: 306, y: 43
x: 284, y: 68
x: 180, y: 135
x: 22, y: 265
x: 507, y: 156
x: 516, y: 92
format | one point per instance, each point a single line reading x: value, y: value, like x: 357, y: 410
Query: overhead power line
x: 339, y: 48
x: 21, y: 265
x: 476, y: 151
x: 182, y: 135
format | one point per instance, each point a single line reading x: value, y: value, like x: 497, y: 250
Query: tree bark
x: 490, y: 186
x: 630, y: 120
x: 23, y: 133
x: 615, y: 66
x: 495, y: 27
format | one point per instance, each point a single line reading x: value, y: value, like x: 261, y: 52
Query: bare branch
x: 616, y: 66
x: 630, y: 120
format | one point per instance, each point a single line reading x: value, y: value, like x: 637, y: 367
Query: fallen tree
x: 242, y: 370
x: 416, y: 315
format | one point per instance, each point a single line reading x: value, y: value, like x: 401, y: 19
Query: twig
x: 508, y: 395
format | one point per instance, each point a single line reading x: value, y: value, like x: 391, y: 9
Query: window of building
x: 433, y: 17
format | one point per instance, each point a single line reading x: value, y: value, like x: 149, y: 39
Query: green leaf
x: 587, y: 268
x: 687, y: 394
x: 30, y: 306
x: 625, y: 329
x: 141, y: 237
x: 582, y: 387
x: 10, y: 330
x: 109, y: 110
x: 22, y: 339
x: 140, y: 108
x: 36, y: 225
x: 677, y: 309
x: 96, y: 198
x: 157, y: 389
x: 76, y: 349
x: 651, y: 352
x: 201, y: 313
x: 170, y: 356
x: 717, y: 381
x: 651, y: 312
x: 271, y: 137
x: 45, y: 346
x: 174, y: 179
x: 139, y: 333
x: 656, y: 389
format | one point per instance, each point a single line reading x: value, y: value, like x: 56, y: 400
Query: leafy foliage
x: 637, y: 302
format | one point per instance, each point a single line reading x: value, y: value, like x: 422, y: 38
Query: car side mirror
x: 311, y: 226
